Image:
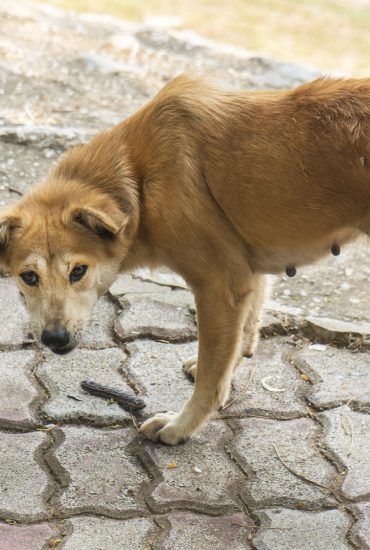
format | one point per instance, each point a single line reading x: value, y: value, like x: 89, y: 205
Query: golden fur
x: 222, y: 187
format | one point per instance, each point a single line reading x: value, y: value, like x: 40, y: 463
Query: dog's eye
x: 77, y: 273
x: 30, y: 278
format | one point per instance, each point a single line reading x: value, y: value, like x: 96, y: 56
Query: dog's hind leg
x: 253, y: 320
x: 220, y: 322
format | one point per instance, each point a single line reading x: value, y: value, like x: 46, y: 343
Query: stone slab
x: 25, y: 537
x: 347, y: 437
x: 109, y: 534
x: 165, y: 277
x: 191, y: 531
x: 23, y: 483
x: 154, y: 317
x: 156, y: 369
x: 338, y: 376
x: 127, y: 284
x: 62, y: 376
x: 203, y: 478
x: 99, y: 333
x: 340, y: 332
x: 15, y: 320
x: 292, y: 529
x: 361, y: 530
x: 269, y: 368
x: 269, y: 481
x: 97, y: 473
x: 18, y: 393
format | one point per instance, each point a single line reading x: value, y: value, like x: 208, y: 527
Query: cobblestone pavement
x: 285, y: 466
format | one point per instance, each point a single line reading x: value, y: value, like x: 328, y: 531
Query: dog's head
x: 64, y: 248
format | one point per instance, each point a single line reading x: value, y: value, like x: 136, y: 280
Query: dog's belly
x: 264, y: 259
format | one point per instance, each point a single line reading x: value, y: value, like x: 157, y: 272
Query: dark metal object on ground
x: 128, y: 401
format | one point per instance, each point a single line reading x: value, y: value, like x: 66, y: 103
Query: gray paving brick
x: 293, y: 529
x: 160, y: 316
x: 269, y: 481
x: 347, y: 436
x: 25, y: 537
x: 192, y: 532
x: 109, y: 534
x: 361, y: 530
x: 99, y: 333
x: 338, y: 376
x: 161, y: 277
x: 212, y: 486
x: 15, y: 320
x: 17, y: 391
x: 127, y: 284
x: 22, y: 481
x: 340, y: 332
x: 97, y: 472
x: 269, y: 365
x: 62, y: 376
x: 156, y: 368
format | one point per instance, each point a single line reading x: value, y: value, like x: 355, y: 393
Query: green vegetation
x: 333, y: 35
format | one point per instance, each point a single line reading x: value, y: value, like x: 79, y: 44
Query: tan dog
x: 222, y: 187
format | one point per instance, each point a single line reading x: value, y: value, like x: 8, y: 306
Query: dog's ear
x: 8, y: 223
x: 99, y: 222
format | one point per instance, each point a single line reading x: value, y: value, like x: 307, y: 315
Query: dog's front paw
x: 163, y: 427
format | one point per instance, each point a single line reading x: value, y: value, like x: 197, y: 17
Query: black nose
x: 55, y: 339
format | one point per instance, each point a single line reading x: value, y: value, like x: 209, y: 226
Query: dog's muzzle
x: 58, y: 340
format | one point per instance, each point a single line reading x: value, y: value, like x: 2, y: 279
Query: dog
x: 221, y: 187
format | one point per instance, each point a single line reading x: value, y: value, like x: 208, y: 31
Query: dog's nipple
x: 290, y: 270
x: 335, y: 249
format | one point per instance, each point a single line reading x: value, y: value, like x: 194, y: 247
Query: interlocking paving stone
x: 17, y: 392
x: 167, y: 278
x: 109, y: 534
x: 24, y: 537
x: 126, y: 284
x: 293, y: 529
x: 22, y: 481
x: 99, y: 333
x: 207, y: 533
x: 269, y: 481
x: 361, y: 529
x: 62, y: 376
x: 14, y: 326
x: 212, y: 486
x: 156, y: 368
x: 341, y: 332
x: 97, y: 472
x: 347, y: 436
x: 270, y: 364
x: 157, y: 317
x: 338, y: 376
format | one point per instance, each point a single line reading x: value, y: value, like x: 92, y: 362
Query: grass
x: 333, y: 35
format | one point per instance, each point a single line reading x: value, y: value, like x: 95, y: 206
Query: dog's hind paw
x: 190, y: 366
x: 162, y: 427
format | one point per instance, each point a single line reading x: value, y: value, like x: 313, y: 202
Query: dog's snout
x: 55, y: 339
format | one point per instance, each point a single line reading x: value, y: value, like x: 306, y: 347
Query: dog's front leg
x: 220, y: 321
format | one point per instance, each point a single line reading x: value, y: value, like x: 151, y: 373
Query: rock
x: 346, y: 437
x: 340, y: 332
x: 25, y: 537
x: 270, y: 365
x: 99, y: 475
x: 292, y: 529
x: 181, y: 486
x: 62, y: 376
x: 191, y: 531
x: 337, y: 376
x: 23, y: 482
x: 109, y: 534
x: 152, y: 317
x: 270, y: 482
x: 17, y: 390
